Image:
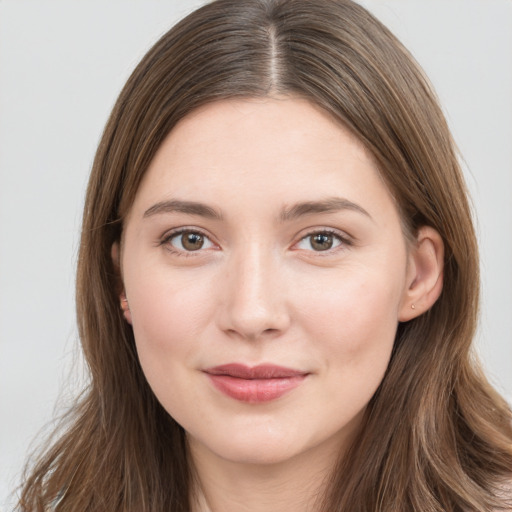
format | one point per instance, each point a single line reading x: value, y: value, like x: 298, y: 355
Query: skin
x: 260, y: 291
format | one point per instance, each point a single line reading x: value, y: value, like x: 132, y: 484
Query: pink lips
x: 261, y: 383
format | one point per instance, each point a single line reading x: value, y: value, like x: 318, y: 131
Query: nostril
x: 253, y: 305
x: 242, y: 332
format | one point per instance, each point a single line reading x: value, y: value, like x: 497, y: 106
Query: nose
x: 254, y: 304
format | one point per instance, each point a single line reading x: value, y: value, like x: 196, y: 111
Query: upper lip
x: 261, y: 371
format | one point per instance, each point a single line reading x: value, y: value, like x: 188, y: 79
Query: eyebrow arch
x: 329, y: 205
x: 188, y: 207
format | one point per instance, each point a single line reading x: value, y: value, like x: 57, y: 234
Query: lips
x: 256, y: 384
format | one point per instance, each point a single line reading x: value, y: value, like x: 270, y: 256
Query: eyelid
x: 345, y: 240
x: 165, y: 239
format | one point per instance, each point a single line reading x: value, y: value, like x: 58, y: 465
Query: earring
x: 413, y: 306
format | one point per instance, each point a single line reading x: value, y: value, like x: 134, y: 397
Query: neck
x: 297, y: 484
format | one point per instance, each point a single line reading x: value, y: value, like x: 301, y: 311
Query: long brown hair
x: 435, y: 437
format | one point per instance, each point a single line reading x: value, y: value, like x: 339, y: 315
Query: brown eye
x: 189, y: 241
x: 321, y: 241
x: 192, y: 241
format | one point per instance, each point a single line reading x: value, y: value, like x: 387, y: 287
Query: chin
x: 258, y: 455
x: 249, y: 447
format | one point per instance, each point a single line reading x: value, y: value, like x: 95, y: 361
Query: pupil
x: 192, y: 241
x: 322, y: 241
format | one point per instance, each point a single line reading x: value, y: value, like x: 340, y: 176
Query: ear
x: 115, y: 253
x: 424, y: 281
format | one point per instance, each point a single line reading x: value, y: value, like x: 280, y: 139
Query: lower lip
x: 255, y: 390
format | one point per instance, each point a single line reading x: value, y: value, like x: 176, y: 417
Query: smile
x: 257, y: 384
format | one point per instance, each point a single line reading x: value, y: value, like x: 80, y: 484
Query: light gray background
x: 62, y: 65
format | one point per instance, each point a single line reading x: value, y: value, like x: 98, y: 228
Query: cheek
x: 168, y: 315
x: 354, y: 330
x: 353, y: 327
x: 359, y: 305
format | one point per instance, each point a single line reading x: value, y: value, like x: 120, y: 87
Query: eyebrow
x: 188, y: 207
x: 329, y: 205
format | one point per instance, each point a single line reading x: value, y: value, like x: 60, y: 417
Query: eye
x: 188, y: 241
x: 321, y: 241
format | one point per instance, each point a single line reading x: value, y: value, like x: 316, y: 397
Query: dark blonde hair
x: 435, y: 437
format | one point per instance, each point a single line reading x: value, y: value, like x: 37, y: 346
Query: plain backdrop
x: 62, y: 65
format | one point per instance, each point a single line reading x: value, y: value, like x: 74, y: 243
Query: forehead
x: 275, y: 150
x: 262, y: 128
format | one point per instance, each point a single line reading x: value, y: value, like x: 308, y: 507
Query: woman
x: 276, y: 283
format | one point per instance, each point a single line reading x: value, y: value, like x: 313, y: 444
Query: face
x: 265, y: 268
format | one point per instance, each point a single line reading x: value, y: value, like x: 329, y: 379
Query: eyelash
x: 165, y: 241
x: 343, y: 240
